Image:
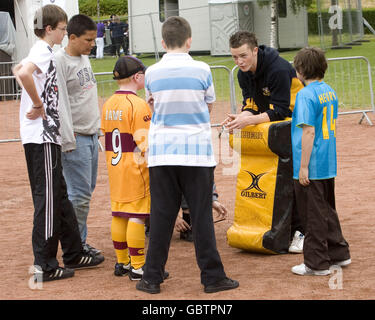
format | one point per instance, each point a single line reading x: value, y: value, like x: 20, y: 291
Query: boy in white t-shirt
x: 54, y: 217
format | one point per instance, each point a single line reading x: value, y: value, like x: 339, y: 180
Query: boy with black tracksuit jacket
x: 272, y: 88
x: 269, y: 87
x: 268, y: 82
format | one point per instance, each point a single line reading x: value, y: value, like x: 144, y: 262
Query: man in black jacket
x: 118, y: 31
x: 269, y: 87
x: 269, y: 83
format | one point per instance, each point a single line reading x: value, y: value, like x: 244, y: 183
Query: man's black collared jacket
x: 273, y: 87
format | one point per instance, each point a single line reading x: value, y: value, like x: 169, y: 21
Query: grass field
x: 349, y: 78
x: 366, y: 49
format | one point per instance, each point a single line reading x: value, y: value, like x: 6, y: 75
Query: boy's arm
x: 25, y: 75
x: 150, y: 102
x: 308, y: 135
x: 244, y: 119
x: 210, y: 106
x: 220, y: 209
x: 149, y: 98
x: 68, y: 140
x: 15, y: 72
x: 140, y: 126
x: 209, y: 95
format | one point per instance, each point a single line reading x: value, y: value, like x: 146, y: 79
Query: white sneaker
x: 297, y: 243
x: 136, y: 274
x: 343, y: 263
x: 303, y: 270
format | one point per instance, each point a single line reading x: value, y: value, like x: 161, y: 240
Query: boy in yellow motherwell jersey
x: 125, y: 123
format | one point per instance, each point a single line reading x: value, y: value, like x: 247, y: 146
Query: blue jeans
x: 80, y: 169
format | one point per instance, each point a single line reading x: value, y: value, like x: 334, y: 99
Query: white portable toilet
x: 145, y: 23
x: 212, y: 22
x: 229, y: 16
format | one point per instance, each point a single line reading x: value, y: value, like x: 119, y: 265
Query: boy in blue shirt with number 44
x: 315, y: 166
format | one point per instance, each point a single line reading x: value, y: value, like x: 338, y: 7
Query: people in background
x: 100, y: 35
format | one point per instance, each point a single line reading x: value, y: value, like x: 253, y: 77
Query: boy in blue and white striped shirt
x: 180, y: 131
x: 181, y: 158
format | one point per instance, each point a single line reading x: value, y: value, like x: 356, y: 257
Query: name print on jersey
x: 113, y: 115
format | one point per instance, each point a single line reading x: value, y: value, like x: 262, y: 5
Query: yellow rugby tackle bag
x: 264, y: 191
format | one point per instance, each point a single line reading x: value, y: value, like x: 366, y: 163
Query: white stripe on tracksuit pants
x: 49, y: 191
x: 54, y: 216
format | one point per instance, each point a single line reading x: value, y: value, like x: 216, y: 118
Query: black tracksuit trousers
x: 167, y: 185
x: 54, y: 216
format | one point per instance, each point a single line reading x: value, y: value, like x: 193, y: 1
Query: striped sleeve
x: 210, y: 91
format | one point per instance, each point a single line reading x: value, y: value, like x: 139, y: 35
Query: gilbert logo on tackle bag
x: 254, y: 185
x: 264, y: 191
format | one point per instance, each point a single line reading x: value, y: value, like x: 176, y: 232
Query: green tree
x: 103, y: 7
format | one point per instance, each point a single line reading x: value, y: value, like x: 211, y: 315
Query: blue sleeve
x: 336, y: 104
x: 304, y: 111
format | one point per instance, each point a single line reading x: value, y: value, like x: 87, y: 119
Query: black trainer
x: 121, y: 269
x: 57, y: 274
x: 144, y: 286
x: 89, y: 249
x: 86, y: 261
x: 225, y: 284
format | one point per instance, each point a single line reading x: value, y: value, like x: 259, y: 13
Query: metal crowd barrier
x: 349, y: 78
x: 9, y: 88
x: 222, y: 82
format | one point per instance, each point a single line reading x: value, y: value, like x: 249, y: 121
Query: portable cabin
x: 212, y: 22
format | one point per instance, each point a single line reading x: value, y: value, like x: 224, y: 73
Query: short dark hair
x: 242, y: 37
x: 175, y: 31
x: 48, y: 15
x: 311, y: 63
x: 79, y: 24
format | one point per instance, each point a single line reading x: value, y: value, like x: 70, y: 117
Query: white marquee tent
x: 22, y: 14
